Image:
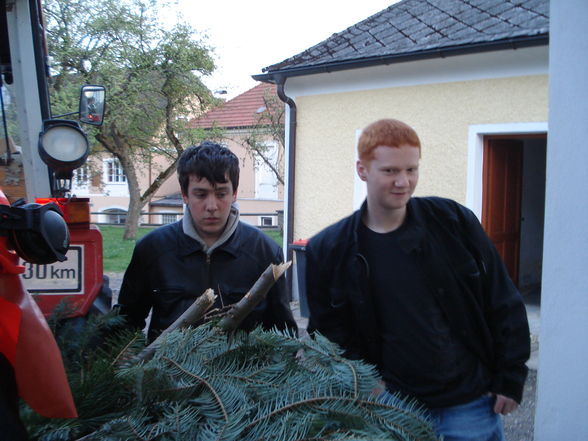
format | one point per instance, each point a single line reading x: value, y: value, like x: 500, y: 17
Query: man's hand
x: 379, y: 389
x: 504, y: 405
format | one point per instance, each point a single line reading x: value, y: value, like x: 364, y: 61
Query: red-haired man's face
x: 391, y: 176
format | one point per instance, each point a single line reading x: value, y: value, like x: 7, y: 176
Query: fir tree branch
x: 133, y: 431
x: 252, y: 381
x: 410, y: 410
x: 87, y: 437
x: 206, y: 383
x: 317, y: 401
x: 209, y: 387
x: 192, y: 315
x: 340, y: 360
x: 256, y: 294
x: 293, y: 406
x: 353, y: 372
x: 123, y: 351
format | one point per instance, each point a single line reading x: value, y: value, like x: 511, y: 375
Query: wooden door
x: 501, y: 207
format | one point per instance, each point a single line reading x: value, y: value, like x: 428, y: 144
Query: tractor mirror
x: 92, y: 103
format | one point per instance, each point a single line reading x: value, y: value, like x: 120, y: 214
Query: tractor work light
x: 63, y: 146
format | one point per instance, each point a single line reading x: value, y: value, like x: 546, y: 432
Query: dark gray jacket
x: 463, y: 270
x: 169, y: 270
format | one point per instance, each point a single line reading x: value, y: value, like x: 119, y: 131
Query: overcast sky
x: 248, y: 36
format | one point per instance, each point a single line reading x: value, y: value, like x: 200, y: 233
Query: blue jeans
x: 473, y: 421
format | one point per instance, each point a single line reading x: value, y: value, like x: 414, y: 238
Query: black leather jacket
x: 463, y: 270
x: 169, y: 270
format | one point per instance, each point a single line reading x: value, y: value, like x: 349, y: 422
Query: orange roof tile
x: 240, y: 111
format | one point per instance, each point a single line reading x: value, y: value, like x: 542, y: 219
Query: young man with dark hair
x: 208, y: 248
x: 415, y: 286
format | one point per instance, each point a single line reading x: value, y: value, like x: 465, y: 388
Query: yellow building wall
x: 440, y: 113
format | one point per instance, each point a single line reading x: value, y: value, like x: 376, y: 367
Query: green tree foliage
x: 205, y: 384
x: 153, y: 77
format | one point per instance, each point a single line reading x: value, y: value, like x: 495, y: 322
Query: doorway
x: 513, y: 204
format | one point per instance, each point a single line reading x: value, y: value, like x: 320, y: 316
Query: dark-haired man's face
x: 209, y: 206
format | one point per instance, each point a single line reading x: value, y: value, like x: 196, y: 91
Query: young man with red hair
x: 415, y: 286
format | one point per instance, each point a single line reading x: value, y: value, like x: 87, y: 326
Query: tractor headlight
x: 63, y: 146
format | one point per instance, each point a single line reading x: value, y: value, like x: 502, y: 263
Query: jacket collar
x: 413, y: 231
x: 191, y: 240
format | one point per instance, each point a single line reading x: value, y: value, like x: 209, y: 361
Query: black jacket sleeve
x: 278, y: 313
x: 505, y: 313
x: 135, y: 299
x: 328, y: 303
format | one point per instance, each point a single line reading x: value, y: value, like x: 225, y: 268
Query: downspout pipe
x: 280, y: 82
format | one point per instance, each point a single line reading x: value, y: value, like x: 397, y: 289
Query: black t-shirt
x: 420, y: 355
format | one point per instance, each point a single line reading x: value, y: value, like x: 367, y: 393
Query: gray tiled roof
x: 172, y: 200
x: 421, y: 28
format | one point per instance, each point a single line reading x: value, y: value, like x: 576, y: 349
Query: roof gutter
x: 511, y: 43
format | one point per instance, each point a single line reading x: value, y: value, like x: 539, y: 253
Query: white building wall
x: 562, y: 404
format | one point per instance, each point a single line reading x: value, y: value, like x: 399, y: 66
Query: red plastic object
x: 28, y: 343
x: 76, y: 211
x: 79, y: 278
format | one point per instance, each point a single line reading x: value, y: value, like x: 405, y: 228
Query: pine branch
x: 252, y: 386
x: 125, y: 350
x: 206, y: 383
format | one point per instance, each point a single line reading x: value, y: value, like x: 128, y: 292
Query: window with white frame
x: 115, y: 216
x: 81, y: 176
x: 114, y: 172
x: 266, y: 181
x: 168, y: 218
x: 266, y: 221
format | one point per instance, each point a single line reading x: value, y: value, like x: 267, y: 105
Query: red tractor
x: 49, y: 251
x: 78, y: 276
x: 38, y: 154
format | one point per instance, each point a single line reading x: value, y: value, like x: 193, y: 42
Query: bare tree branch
x: 256, y: 294
x: 190, y: 316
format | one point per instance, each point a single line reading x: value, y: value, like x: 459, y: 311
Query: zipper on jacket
x: 364, y: 277
x: 363, y: 260
x: 208, y: 272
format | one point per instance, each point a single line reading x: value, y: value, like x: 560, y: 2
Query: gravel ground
x: 518, y: 426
